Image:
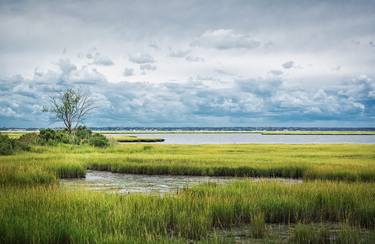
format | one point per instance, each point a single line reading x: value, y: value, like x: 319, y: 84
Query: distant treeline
x: 214, y: 129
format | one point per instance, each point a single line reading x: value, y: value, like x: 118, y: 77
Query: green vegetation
x: 338, y: 187
x: 332, y: 162
x: 80, y: 135
x: 9, y: 145
x: 52, y: 215
x: 135, y: 139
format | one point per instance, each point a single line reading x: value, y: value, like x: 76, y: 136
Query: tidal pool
x: 157, y: 184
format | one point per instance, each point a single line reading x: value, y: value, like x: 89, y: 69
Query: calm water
x: 236, y: 138
x: 130, y: 183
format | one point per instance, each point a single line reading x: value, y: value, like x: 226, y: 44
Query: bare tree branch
x: 71, y: 107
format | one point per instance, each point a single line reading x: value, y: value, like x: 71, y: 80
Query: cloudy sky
x: 191, y: 63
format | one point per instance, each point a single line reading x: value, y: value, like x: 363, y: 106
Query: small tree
x: 70, y: 107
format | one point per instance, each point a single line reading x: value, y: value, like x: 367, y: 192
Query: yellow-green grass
x: 338, y: 162
x: 35, y: 209
x: 134, y: 139
x: 54, y: 215
x: 333, y: 162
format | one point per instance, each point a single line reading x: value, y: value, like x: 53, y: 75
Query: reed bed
x: 54, y: 215
x: 308, y: 162
x: 338, y: 187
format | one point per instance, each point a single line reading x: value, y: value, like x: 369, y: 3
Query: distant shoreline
x: 296, y: 132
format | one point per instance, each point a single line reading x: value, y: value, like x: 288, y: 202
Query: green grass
x: 332, y: 162
x: 134, y: 139
x: 35, y: 209
x: 53, y: 215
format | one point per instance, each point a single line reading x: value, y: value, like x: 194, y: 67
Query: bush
x: 50, y: 136
x: 63, y: 136
x: 47, y: 136
x: 5, y: 145
x: 83, y: 133
x: 9, y: 146
x: 29, y: 138
x: 98, y: 140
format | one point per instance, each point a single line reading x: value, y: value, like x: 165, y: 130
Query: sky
x: 191, y: 63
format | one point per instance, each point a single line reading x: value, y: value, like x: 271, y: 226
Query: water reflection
x: 130, y: 183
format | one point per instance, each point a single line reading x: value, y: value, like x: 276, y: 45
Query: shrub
x: 5, y: 145
x: 9, y: 146
x: 47, y: 136
x: 29, y: 138
x: 83, y: 133
x: 63, y: 136
x: 98, y: 140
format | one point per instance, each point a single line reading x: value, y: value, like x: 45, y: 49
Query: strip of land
x: 129, y: 139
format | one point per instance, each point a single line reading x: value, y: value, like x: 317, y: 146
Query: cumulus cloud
x: 276, y: 72
x: 145, y: 67
x: 362, y: 87
x: 142, y: 103
x: 141, y: 58
x: 194, y: 59
x: 128, y: 72
x: 103, y: 60
x: 288, y: 65
x: 178, y: 53
x: 225, y: 39
x: 98, y: 59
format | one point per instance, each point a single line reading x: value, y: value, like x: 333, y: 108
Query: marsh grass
x: 34, y: 209
x: 309, y: 162
x: 52, y: 215
x: 134, y: 139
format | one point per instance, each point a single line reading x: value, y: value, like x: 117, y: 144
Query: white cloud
x: 141, y: 58
x: 178, y: 53
x: 103, y: 60
x: 225, y: 39
x: 194, y: 59
x: 98, y: 59
x: 128, y: 72
x: 147, y: 67
x: 288, y: 65
x: 276, y: 72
